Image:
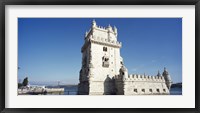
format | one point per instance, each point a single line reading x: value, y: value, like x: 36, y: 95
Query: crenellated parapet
x: 142, y: 78
x: 95, y: 27
x: 101, y: 41
x: 106, y: 36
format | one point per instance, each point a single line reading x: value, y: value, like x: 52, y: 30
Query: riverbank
x: 73, y: 89
x: 40, y: 91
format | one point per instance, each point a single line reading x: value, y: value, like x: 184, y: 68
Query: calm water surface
x: 176, y: 91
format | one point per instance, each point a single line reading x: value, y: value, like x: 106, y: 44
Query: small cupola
x: 109, y: 28
x: 94, y: 23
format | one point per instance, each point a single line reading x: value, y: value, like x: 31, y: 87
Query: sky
x: 49, y: 49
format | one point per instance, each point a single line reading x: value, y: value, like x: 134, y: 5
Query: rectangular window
x: 104, y: 48
x: 135, y: 90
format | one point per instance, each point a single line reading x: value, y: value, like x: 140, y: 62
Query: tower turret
x: 167, y: 78
x: 124, y: 72
x: 109, y: 28
x: 110, y: 33
x: 115, y: 31
x: 94, y: 24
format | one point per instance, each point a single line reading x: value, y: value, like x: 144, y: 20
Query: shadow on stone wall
x: 109, y: 86
x: 83, y: 88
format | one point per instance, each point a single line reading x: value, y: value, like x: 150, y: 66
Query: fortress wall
x: 141, y: 85
x: 137, y: 77
x: 96, y: 88
x: 101, y: 87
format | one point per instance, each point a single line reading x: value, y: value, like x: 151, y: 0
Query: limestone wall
x: 141, y: 85
x: 101, y: 87
x: 99, y: 71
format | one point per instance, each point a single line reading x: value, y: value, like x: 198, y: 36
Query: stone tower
x: 103, y: 71
x: 167, y: 78
x: 101, y: 61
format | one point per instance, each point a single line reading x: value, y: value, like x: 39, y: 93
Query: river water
x: 176, y: 91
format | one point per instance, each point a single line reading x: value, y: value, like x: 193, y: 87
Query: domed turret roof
x: 165, y: 72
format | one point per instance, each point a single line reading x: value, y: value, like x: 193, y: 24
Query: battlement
x: 108, y: 29
x: 101, y: 28
x: 101, y: 41
x: 101, y: 35
x: 105, y: 41
x: 138, y: 77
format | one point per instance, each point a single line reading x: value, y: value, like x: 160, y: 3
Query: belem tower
x: 104, y: 73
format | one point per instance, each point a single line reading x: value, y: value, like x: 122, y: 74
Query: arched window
x: 105, y: 61
x: 164, y: 90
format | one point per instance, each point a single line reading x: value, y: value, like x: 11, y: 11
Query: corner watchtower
x: 167, y: 78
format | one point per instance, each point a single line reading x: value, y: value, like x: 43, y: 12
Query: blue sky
x: 49, y: 49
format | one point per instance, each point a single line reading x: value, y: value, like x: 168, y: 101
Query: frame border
x: 3, y: 3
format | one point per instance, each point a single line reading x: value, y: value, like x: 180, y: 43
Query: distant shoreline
x: 60, y: 86
x: 177, y: 85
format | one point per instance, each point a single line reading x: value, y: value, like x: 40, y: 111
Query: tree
x: 25, y: 81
